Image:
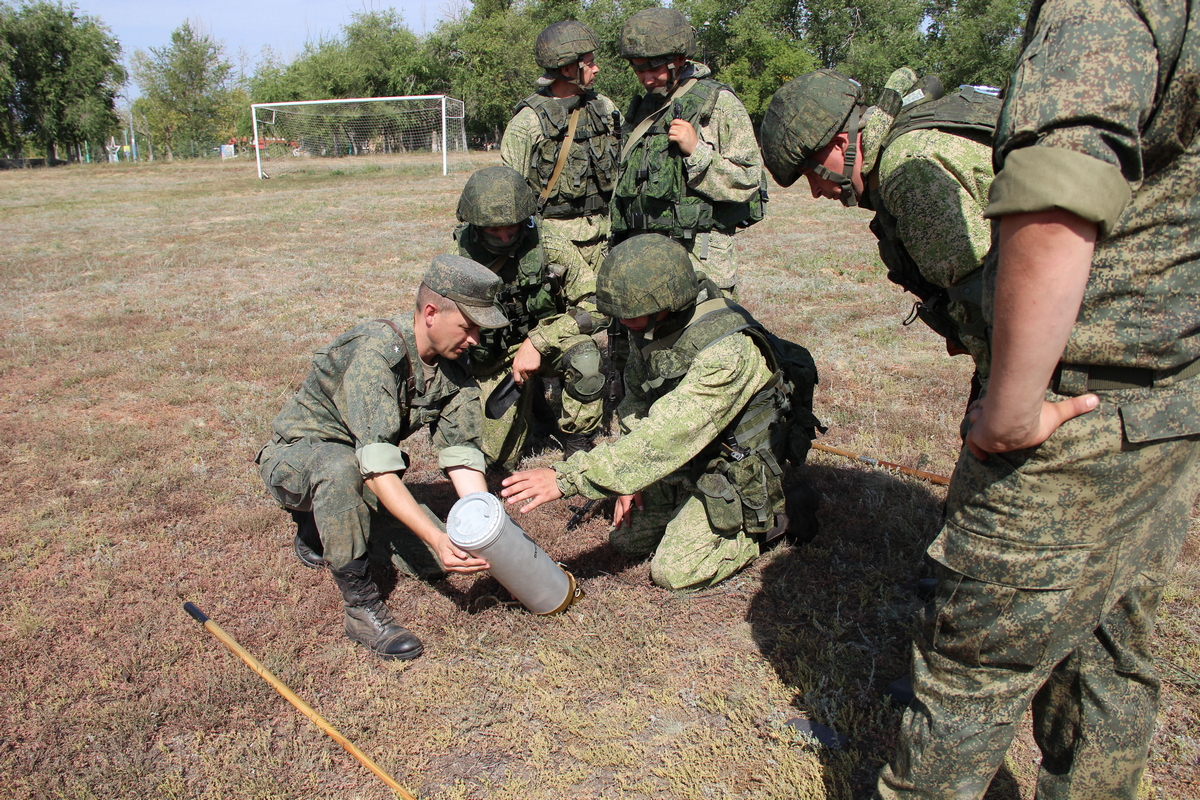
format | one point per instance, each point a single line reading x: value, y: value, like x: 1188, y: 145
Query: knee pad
x: 582, y: 376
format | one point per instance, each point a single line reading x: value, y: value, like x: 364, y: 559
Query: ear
x: 429, y: 314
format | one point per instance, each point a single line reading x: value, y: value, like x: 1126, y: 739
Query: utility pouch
x: 721, y: 502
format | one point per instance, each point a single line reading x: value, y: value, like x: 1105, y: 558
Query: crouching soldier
x: 334, y: 456
x: 548, y: 294
x: 715, y: 405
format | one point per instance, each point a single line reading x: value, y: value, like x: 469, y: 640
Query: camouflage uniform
x: 359, y: 400
x: 558, y: 313
x: 726, y: 168
x: 578, y: 208
x: 1054, y: 558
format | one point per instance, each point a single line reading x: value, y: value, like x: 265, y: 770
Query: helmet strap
x: 849, y: 195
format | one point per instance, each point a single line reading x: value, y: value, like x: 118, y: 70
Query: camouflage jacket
x: 1123, y: 154
x: 531, y: 146
x: 549, y: 295
x: 660, y: 438
x: 366, y: 390
x: 931, y: 187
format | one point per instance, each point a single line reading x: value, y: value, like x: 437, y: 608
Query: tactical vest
x: 970, y: 114
x: 531, y: 293
x: 739, y: 474
x: 585, y: 184
x: 652, y: 192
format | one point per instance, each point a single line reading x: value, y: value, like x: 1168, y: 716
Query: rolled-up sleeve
x: 457, y: 434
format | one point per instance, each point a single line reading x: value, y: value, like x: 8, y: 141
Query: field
x: 155, y: 318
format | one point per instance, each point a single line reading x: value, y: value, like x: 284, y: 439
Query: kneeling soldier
x: 707, y: 423
x: 334, y: 457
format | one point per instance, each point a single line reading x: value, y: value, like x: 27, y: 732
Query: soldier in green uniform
x: 564, y: 139
x: 335, y: 458
x: 706, y: 426
x: 921, y: 162
x: 549, y: 299
x: 1071, y: 500
x: 690, y: 166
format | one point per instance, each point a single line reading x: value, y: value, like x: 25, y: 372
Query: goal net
x: 420, y: 132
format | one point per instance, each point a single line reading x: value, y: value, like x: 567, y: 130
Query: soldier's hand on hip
x: 526, y: 362
x: 683, y: 134
x: 536, y: 485
x: 991, y: 432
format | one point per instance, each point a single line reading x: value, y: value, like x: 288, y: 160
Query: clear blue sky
x: 247, y: 24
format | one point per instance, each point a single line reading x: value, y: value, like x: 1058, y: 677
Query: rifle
x: 580, y: 513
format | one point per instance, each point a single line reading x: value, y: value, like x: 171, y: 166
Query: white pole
x: 445, y: 168
x: 254, y: 144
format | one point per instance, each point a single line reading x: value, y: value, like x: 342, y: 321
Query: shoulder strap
x: 651, y: 118
x: 563, y: 150
x: 410, y: 383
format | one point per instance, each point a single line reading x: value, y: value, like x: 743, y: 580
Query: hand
x: 455, y: 560
x: 526, y: 362
x: 991, y: 433
x: 536, y: 485
x: 683, y: 134
x: 623, y: 512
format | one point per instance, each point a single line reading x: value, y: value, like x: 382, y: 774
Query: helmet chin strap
x: 845, y: 181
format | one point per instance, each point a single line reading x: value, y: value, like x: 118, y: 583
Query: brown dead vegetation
x: 155, y: 319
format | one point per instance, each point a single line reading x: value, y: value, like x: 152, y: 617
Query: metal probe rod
x: 916, y: 473
x: 301, y: 706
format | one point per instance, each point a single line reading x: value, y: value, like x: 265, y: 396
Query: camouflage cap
x: 472, y: 286
x: 657, y: 33
x: 564, y: 43
x: 804, y: 116
x: 643, y: 275
x: 495, y: 197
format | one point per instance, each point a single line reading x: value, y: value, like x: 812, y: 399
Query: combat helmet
x: 657, y: 34
x: 563, y: 43
x: 643, y: 275
x: 495, y: 197
x: 803, y: 117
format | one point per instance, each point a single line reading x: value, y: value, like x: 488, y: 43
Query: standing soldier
x: 690, y: 166
x: 549, y: 297
x: 335, y: 458
x: 923, y: 166
x: 1071, y: 501
x: 563, y: 139
x: 708, y: 421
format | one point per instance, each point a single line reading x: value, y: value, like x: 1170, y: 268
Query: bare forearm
x: 466, y: 480
x: 399, y: 502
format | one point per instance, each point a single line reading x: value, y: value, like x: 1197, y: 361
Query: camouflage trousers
x: 504, y: 438
x: 323, y: 477
x: 1052, y: 564
x: 589, y: 235
x: 712, y: 253
x: 688, y: 552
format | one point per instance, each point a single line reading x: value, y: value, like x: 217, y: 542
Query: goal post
x: 411, y: 132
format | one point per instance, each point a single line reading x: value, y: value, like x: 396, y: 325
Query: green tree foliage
x: 188, y: 98
x: 976, y: 41
x: 59, y: 76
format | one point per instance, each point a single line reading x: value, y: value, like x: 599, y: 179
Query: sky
x: 248, y: 24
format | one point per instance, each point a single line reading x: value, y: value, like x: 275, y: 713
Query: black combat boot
x: 307, y: 542
x: 573, y: 443
x: 368, y: 619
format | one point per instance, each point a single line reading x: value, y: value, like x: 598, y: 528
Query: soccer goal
x: 424, y: 131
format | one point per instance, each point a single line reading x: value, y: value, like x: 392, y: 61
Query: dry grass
x: 155, y: 319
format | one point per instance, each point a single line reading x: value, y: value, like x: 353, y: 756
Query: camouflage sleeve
x: 457, y: 435
x: 721, y: 381
x: 936, y: 185
x: 726, y: 164
x: 370, y: 410
x: 1069, y: 138
x: 516, y: 147
x: 579, y: 291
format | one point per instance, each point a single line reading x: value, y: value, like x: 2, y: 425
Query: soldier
x: 1071, y: 500
x: 925, y: 171
x: 334, y: 456
x: 706, y: 426
x: 573, y: 183
x: 549, y: 298
x: 690, y: 166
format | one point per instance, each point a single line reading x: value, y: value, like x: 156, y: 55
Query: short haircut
x: 427, y: 296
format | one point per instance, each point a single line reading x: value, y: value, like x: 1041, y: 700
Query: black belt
x: 1077, y: 379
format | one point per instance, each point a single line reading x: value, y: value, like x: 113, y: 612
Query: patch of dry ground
x: 154, y: 320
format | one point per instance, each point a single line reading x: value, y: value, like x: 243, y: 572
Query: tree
x: 59, y: 77
x: 977, y: 41
x: 187, y: 92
